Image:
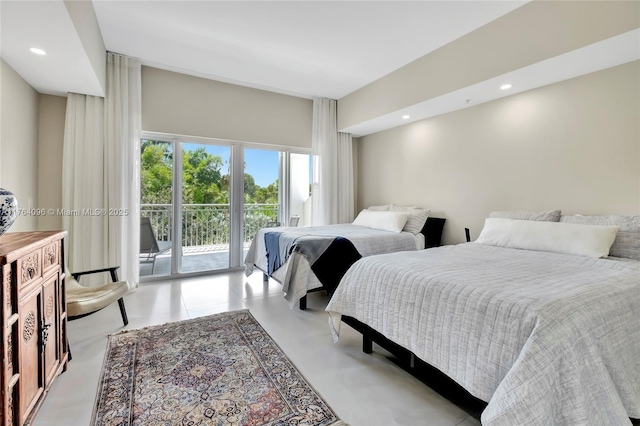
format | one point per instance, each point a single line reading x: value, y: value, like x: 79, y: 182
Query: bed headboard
x: 432, y: 231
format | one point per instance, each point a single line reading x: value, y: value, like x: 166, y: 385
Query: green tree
x: 201, y: 178
x: 156, y: 173
x: 268, y: 195
x: 250, y: 187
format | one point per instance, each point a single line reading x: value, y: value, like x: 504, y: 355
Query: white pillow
x: 627, y: 243
x: 557, y: 237
x: 386, y: 221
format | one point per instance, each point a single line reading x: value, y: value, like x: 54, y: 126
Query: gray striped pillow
x: 417, y: 217
x: 548, y: 216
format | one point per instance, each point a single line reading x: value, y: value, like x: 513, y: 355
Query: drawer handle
x: 31, y: 271
x: 45, y: 334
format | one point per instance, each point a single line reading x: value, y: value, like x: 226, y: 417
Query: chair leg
x: 123, y: 311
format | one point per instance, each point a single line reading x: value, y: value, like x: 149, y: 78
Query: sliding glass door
x: 156, y: 206
x: 205, y: 207
x: 262, y: 199
x: 277, y: 190
x: 300, y: 179
x: 203, y: 202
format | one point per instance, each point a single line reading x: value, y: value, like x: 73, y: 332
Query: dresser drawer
x: 29, y: 268
x: 50, y: 256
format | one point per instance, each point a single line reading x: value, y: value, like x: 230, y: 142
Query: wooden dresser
x: 34, y: 321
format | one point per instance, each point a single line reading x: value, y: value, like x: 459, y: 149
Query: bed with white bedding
x: 296, y: 273
x: 542, y: 337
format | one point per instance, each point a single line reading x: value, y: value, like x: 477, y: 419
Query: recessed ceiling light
x: 505, y: 86
x: 406, y: 117
x: 37, y: 51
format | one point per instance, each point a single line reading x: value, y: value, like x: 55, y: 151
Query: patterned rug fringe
x: 186, y: 321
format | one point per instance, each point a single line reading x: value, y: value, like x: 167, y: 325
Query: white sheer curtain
x: 346, y: 201
x: 101, y: 173
x: 83, y: 189
x: 122, y: 155
x: 332, y: 187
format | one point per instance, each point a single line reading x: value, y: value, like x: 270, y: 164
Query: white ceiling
x: 48, y: 26
x: 301, y: 48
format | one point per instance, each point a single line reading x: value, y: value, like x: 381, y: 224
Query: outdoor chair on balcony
x: 150, y: 247
x: 293, y: 222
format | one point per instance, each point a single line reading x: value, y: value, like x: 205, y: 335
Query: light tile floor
x: 364, y: 390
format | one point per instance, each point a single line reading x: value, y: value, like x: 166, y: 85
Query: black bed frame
x: 432, y: 232
x: 424, y: 372
x: 431, y: 376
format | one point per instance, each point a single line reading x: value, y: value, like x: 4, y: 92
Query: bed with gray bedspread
x: 296, y: 275
x: 544, y: 338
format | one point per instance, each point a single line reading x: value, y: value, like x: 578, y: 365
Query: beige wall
x: 32, y: 128
x: 186, y: 105
x: 573, y: 145
x: 52, y: 111
x: 531, y: 33
x: 19, y: 144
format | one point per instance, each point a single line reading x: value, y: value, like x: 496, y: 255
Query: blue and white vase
x: 8, y: 209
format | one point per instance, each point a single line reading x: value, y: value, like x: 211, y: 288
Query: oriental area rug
x: 221, y: 369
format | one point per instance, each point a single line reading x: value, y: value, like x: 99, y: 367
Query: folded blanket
x: 272, y: 245
x: 329, y: 258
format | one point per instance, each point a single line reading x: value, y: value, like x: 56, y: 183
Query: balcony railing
x: 207, y: 224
